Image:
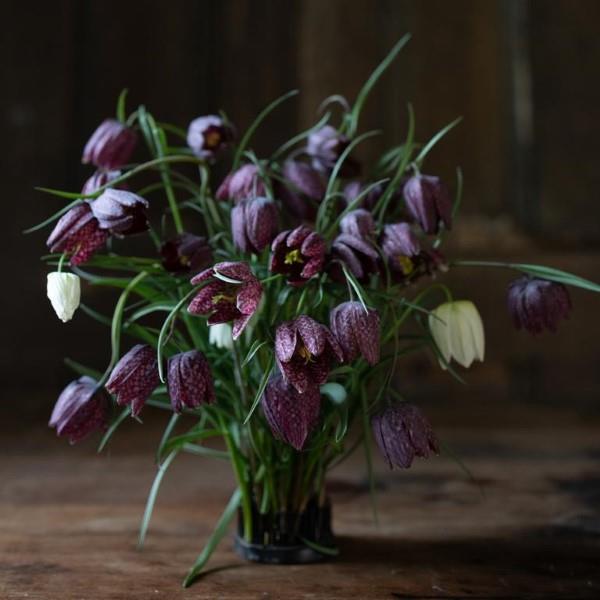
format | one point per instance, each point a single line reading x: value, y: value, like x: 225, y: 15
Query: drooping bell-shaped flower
x: 241, y: 184
x: 359, y: 223
x: 353, y: 189
x: 189, y: 381
x: 400, y: 247
x: 292, y: 416
x: 77, y: 233
x: 403, y: 433
x: 253, y: 224
x: 429, y: 203
x: 298, y: 253
x: 305, y: 350
x: 220, y: 336
x: 457, y: 330
x: 134, y: 377
x: 208, y: 136
x: 186, y: 253
x: 302, y: 190
x: 81, y: 409
x: 357, y: 331
x: 64, y: 292
x: 325, y: 146
x: 100, y: 179
x: 537, y: 304
x: 120, y: 212
x: 232, y: 294
x: 110, y: 146
x: 357, y: 253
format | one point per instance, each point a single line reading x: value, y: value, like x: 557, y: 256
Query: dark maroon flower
x: 134, y: 377
x: 325, y: 146
x: 208, y: 136
x: 537, y: 304
x: 302, y: 189
x: 100, y: 179
x: 110, y: 146
x: 400, y: 246
x: 358, y: 223
x: 356, y: 330
x: 243, y: 183
x: 189, y: 381
x: 253, y: 224
x: 80, y: 409
x: 305, y: 351
x: 186, y: 253
x: 225, y: 300
x: 298, y: 253
x: 428, y: 201
x: 291, y: 415
x: 77, y: 233
x: 357, y: 253
x: 402, y: 432
x: 120, y: 212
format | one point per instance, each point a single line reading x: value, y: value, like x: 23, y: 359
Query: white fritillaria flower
x: 220, y: 336
x: 458, y: 332
x: 64, y: 291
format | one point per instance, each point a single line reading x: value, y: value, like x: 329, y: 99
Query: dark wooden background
x: 523, y: 74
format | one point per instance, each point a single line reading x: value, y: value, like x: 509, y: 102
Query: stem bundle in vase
x: 272, y: 304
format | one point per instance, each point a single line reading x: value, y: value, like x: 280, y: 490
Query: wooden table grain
x: 527, y: 525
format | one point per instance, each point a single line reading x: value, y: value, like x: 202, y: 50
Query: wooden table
x: 528, y: 527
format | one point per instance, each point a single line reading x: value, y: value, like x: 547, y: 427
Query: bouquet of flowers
x: 270, y: 306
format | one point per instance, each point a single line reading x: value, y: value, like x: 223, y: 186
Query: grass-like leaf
x: 326, y: 550
x: 113, y: 427
x: 121, y: 112
x: 435, y: 139
x: 261, y: 389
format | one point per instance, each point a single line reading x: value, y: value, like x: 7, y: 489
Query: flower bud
x: 219, y: 335
x: 208, y: 136
x: 298, y: 253
x: 80, y: 409
x: 325, y: 146
x: 457, y: 330
x: 302, y: 190
x: 537, y: 304
x: 243, y: 183
x: 189, y: 381
x: 402, y: 432
x: 253, y: 224
x: 291, y: 415
x: 110, y: 146
x: 77, y: 233
x: 356, y: 330
x: 358, y: 223
x: 120, y: 212
x: 134, y: 377
x: 186, y: 253
x: 64, y: 292
x: 100, y: 179
x: 428, y: 201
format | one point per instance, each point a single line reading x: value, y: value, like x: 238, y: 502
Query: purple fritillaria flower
x: 428, y: 202
x: 298, y: 253
x: 134, y: 377
x: 303, y: 189
x: 241, y: 184
x: 325, y: 146
x: 253, y: 224
x: 209, y: 135
x: 80, y: 409
x: 400, y: 246
x: 357, y: 331
x: 189, y: 381
x: 120, y: 212
x: 186, y: 253
x: 402, y: 432
x: 357, y: 253
x: 77, y: 233
x: 537, y: 304
x: 224, y: 300
x: 291, y: 415
x: 100, y: 179
x: 305, y: 351
x: 110, y: 146
x: 358, y: 223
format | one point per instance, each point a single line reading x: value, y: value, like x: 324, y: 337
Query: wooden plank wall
x: 522, y: 73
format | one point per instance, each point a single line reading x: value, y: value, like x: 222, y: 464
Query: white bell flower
x: 457, y: 329
x: 219, y: 335
x: 64, y: 292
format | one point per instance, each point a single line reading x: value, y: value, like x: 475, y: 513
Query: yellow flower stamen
x: 212, y: 139
x: 222, y: 297
x: 305, y: 354
x: 406, y: 264
x: 292, y: 257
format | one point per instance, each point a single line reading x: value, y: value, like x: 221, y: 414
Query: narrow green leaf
x: 256, y: 346
x: 113, y: 427
x: 217, y: 535
x: 162, y: 469
x: 204, y: 451
x: 360, y: 292
x: 261, y: 389
x: 298, y: 138
x: 326, y: 550
x: 435, y: 139
x: 82, y: 369
x: 53, y: 218
x: 121, y: 115
x: 165, y: 436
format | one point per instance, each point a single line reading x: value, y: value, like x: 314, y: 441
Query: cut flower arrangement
x: 276, y: 321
